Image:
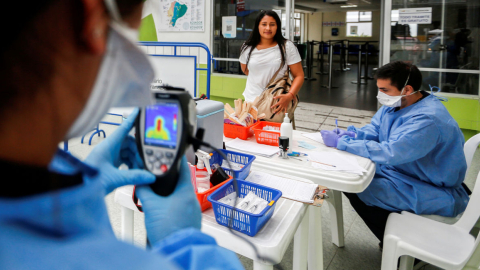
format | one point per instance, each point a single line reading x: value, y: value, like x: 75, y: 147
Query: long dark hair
x: 254, y: 37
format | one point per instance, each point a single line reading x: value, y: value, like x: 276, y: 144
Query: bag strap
x: 276, y: 73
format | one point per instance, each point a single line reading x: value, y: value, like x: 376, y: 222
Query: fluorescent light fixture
x: 349, y: 6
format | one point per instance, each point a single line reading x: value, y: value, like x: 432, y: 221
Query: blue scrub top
x: 420, y: 163
x: 70, y: 229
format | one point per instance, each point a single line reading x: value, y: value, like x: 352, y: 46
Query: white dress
x: 262, y: 66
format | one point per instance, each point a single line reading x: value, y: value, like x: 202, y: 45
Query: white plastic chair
x: 469, y: 149
x: 448, y: 246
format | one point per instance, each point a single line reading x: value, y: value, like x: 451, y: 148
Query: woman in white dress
x: 262, y: 55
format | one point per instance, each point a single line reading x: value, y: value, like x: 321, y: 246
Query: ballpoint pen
x: 336, y: 125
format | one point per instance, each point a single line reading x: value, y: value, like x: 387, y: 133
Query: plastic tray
x: 237, y: 131
x: 244, y: 222
x: 241, y: 158
x: 265, y: 136
x: 202, y: 197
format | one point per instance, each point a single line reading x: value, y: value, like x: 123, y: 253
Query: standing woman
x: 264, y: 53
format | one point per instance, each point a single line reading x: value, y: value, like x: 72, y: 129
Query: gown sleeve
x: 192, y: 249
x: 369, y: 131
x: 405, y: 144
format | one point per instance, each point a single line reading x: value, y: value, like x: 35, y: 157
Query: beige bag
x: 273, y: 89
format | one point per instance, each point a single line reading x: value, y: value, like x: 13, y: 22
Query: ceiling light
x: 349, y: 6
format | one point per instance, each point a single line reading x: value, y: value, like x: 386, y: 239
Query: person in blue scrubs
x: 64, y: 63
x: 417, y: 148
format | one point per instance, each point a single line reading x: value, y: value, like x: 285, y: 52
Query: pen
x: 336, y: 125
x: 323, y: 163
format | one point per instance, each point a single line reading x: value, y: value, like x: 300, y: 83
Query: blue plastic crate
x: 236, y: 157
x: 243, y: 221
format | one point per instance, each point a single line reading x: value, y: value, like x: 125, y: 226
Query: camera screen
x: 161, y: 125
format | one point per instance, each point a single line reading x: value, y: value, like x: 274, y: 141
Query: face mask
x: 393, y: 101
x: 123, y: 80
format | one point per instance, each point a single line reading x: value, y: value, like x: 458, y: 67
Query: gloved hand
x: 342, y: 132
x: 330, y: 138
x: 115, y: 150
x: 179, y: 210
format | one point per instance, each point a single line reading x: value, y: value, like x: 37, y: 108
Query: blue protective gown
x: 418, y: 152
x: 70, y: 229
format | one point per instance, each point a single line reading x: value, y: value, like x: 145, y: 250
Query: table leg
x: 300, y: 245
x: 336, y: 216
x: 261, y: 266
x: 126, y: 232
x: 315, y: 241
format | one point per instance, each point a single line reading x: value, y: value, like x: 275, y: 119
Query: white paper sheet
x: 333, y: 161
x: 252, y: 147
x: 291, y: 189
x: 314, y: 136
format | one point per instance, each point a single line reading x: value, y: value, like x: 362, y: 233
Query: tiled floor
x: 361, y: 249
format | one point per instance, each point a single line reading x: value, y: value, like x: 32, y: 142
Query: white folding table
x: 334, y: 180
x: 274, y: 238
x: 290, y: 220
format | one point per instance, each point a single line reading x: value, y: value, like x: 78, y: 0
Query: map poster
x: 179, y: 15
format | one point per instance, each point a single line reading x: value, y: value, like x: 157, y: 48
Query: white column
x: 287, y: 18
x: 387, y: 31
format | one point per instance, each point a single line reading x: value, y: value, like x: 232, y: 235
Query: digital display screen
x: 161, y: 126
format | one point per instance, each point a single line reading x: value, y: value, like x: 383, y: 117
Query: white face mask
x: 393, y: 101
x: 123, y: 80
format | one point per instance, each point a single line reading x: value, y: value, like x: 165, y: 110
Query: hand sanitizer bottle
x: 286, y: 130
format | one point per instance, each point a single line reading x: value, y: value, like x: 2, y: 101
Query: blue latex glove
x: 166, y: 215
x: 117, y: 149
x: 330, y: 137
x: 342, y: 132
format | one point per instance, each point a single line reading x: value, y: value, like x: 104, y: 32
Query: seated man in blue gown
x: 417, y: 148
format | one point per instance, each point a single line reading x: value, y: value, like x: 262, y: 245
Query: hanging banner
x: 176, y: 15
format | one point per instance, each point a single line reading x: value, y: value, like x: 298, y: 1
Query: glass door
x: 441, y: 37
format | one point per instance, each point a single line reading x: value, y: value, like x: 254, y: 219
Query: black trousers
x: 374, y: 217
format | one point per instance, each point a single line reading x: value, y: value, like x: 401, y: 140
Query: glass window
x: 352, y: 16
x: 365, y: 16
x: 451, y: 82
x: 246, y: 12
x: 359, y: 29
x: 451, y: 40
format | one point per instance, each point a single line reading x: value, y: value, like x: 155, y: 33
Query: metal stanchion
x: 330, y: 71
x: 322, y: 47
x: 359, y: 73
x: 348, y: 54
x: 366, y: 77
x: 344, y: 49
x: 313, y: 44
x: 309, y: 61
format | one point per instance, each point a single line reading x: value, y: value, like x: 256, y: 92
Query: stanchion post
x: 348, y: 54
x: 311, y: 62
x: 322, y: 47
x: 359, y: 73
x: 330, y: 68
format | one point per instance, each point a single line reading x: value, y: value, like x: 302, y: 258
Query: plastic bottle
x: 286, y: 129
x: 202, y: 172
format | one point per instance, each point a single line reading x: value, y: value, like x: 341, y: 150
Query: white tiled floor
x: 361, y: 249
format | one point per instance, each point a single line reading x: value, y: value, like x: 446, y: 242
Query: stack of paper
x: 333, y: 161
x: 314, y: 136
x: 252, y: 148
x: 291, y: 189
